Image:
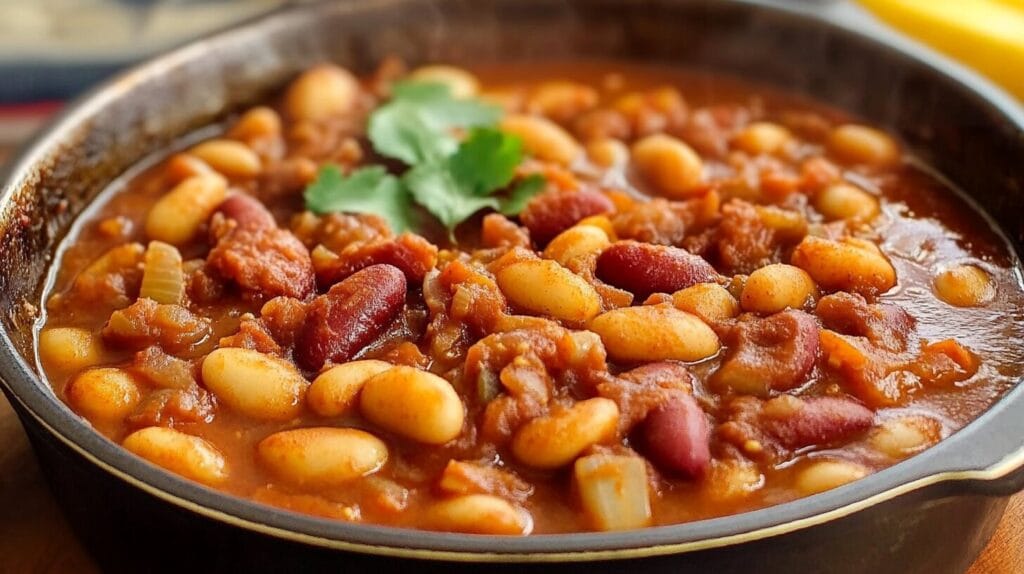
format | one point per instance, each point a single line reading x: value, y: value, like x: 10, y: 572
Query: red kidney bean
x: 247, y: 211
x: 412, y: 254
x: 350, y: 316
x: 771, y: 353
x: 676, y: 437
x: 815, y: 421
x: 643, y: 269
x: 552, y: 212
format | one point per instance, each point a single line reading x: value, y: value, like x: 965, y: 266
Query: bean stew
x: 536, y: 298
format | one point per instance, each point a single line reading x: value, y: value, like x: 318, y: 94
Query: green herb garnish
x: 365, y: 190
x: 451, y: 179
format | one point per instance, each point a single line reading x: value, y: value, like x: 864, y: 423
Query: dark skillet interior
x: 975, y: 136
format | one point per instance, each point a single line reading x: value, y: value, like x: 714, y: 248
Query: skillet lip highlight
x: 921, y: 472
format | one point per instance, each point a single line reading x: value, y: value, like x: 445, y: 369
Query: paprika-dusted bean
x: 255, y: 384
x: 478, y: 514
x: 322, y: 456
x: 104, y: 394
x: 177, y: 216
x: 321, y: 93
x: 848, y: 264
x: 187, y: 455
x: 776, y: 287
x: 543, y: 138
x: 709, y: 301
x: 335, y: 390
x: 654, y: 333
x: 668, y: 164
x: 576, y: 242
x: 557, y: 439
x: 862, y: 144
x: 546, y: 288
x: 229, y: 158
x: 964, y: 286
x: 845, y: 201
x: 413, y: 403
x: 461, y: 83
x: 72, y: 348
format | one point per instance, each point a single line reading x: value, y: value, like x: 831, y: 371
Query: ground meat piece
x: 709, y: 129
x: 525, y: 362
x: 944, y: 363
x: 744, y: 242
x: 639, y: 391
x: 167, y: 407
x: 887, y: 326
x: 336, y: 231
x: 499, y: 231
x: 652, y: 221
x: 112, y: 280
x: 264, y: 263
x: 505, y: 414
x: 146, y: 323
x: 460, y: 477
x: 773, y: 353
x: 410, y: 253
x: 252, y: 334
x: 869, y: 373
x: 284, y: 317
x: 203, y: 287
x: 556, y: 347
x: 602, y: 123
x: 164, y: 370
x: 285, y: 178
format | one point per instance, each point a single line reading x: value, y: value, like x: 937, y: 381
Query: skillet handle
x: 987, y: 456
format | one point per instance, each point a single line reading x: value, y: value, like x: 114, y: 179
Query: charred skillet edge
x: 986, y: 455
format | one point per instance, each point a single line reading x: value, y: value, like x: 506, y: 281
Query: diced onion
x: 163, y: 279
x: 613, y: 490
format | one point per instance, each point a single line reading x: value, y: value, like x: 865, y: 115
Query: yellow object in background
x: 987, y: 35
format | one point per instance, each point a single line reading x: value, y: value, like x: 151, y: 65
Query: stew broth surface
x: 760, y: 455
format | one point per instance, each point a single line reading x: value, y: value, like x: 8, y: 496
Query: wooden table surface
x: 34, y: 536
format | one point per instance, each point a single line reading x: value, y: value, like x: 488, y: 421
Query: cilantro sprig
x: 451, y: 178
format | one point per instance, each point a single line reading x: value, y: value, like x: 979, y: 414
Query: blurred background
x: 52, y: 50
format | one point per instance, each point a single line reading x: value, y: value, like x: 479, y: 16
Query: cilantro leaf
x: 486, y: 160
x: 433, y: 187
x: 415, y: 126
x: 451, y: 179
x: 365, y: 190
x: 457, y: 188
x: 517, y: 198
x: 400, y: 131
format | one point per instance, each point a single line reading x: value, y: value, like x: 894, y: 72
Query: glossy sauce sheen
x: 922, y: 228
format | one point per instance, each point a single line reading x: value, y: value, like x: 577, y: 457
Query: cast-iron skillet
x: 932, y: 513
